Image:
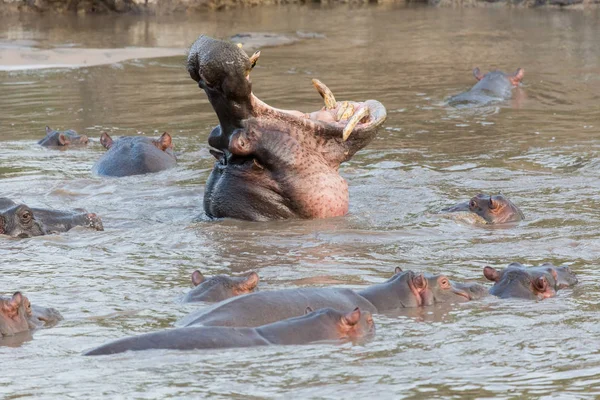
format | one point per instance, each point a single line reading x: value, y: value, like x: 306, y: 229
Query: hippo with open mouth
x: 491, y: 87
x: 273, y: 163
x: 492, y: 209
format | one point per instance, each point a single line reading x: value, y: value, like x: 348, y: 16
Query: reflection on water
x: 541, y: 153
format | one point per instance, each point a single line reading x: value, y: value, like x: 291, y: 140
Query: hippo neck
x: 300, y: 330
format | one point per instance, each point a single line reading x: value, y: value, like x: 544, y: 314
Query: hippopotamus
x: 19, y: 220
x: 403, y: 290
x: 62, y: 138
x: 322, y: 325
x: 534, y: 283
x: 220, y: 287
x: 495, y: 209
x: 135, y: 155
x: 491, y: 87
x: 273, y: 163
x: 18, y: 315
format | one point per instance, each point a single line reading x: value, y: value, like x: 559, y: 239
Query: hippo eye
x: 472, y: 204
x: 26, y: 216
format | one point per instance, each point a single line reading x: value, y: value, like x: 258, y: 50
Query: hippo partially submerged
x: 17, y: 315
x: 404, y: 290
x: 491, y: 87
x: 19, y: 220
x: 62, y: 138
x: 220, y: 287
x: 534, y: 283
x: 272, y: 163
x: 135, y: 155
x: 322, y: 325
x: 495, y: 209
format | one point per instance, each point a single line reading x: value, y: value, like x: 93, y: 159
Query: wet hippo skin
x: 493, y: 86
x: 135, y: 155
x: 404, y: 289
x: 220, y: 287
x: 495, y: 209
x: 62, y: 138
x: 19, y: 220
x: 17, y: 315
x: 325, y: 324
x: 272, y: 163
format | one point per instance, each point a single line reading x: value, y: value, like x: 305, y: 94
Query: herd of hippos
x: 275, y: 164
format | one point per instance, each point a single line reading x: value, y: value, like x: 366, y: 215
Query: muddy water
x: 539, y: 149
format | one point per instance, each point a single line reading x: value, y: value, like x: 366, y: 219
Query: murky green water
x: 540, y: 150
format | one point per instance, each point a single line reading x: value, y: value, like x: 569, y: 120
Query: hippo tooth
x: 345, y: 111
x: 325, y: 93
x: 360, y: 114
x: 254, y: 58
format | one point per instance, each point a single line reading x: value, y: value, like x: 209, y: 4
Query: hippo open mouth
x: 273, y: 163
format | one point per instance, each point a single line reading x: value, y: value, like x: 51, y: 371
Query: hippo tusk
x: 325, y: 93
x: 360, y: 114
x: 345, y: 111
x: 254, y: 58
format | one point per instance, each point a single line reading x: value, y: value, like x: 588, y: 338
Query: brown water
x: 541, y: 151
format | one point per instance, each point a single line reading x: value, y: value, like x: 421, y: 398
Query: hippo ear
x: 517, y: 77
x: 48, y: 130
x: 164, y: 142
x: 63, y: 140
x: 106, y: 140
x: 419, y: 281
x: 492, y: 204
x: 308, y: 310
x: 397, y: 270
x: 14, y: 303
x: 352, y: 317
x: 197, y: 278
x: 250, y: 281
x: 477, y: 74
x: 491, y: 274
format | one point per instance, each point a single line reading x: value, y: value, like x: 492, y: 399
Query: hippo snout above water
x: 220, y: 287
x: 493, y: 86
x: 493, y: 209
x: 273, y: 163
x: 62, y: 138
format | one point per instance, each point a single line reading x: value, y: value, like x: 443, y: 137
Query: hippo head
x: 563, y: 276
x: 163, y: 143
x: 497, y: 78
x: 38, y: 317
x: 13, y: 314
x: 525, y: 283
x: 220, y: 287
x: 353, y: 326
x: 62, y: 138
x: 18, y: 221
x: 495, y: 209
x: 272, y: 163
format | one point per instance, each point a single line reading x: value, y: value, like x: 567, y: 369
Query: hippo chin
x: 495, y: 209
x: 534, y: 283
x: 324, y: 325
x: 493, y: 86
x: 63, y: 138
x: 135, y: 155
x: 17, y: 315
x: 220, y: 287
x: 404, y: 290
x: 272, y: 163
x: 19, y: 220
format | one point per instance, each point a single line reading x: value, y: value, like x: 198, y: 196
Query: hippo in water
x: 403, y: 290
x: 62, y: 138
x: 324, y: 325
x: 491, y: 87
x: 273, y: 163
x: 135, y: 155
x: 19, y: 220
x: 18, y: 315
x: 535, y: 283
x: 220, y: 287
x: 495, y: 209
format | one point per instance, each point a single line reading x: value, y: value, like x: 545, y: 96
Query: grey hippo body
x: 273, y: 163
x: 491, y: 87
x: 316, y: 326
x: 220, y: 287
x: 493, y: 209
x: 63, y: 139
x: 135, y: 155
x: 19, y: 220
x: 403, y: 290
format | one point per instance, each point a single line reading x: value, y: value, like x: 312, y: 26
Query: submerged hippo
x: 322, y: 325
x: 535, y: 283
x: 491, y: 87
x: 495, y: 209
x: 272, y: 163
x: 403, y: 290
x: 18, y: 315
x: 18, y: 220
x: 220, y: 287
x: 62, y: 138
x: 135, y: 155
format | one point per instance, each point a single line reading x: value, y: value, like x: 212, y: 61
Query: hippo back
x: 260, y: 308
